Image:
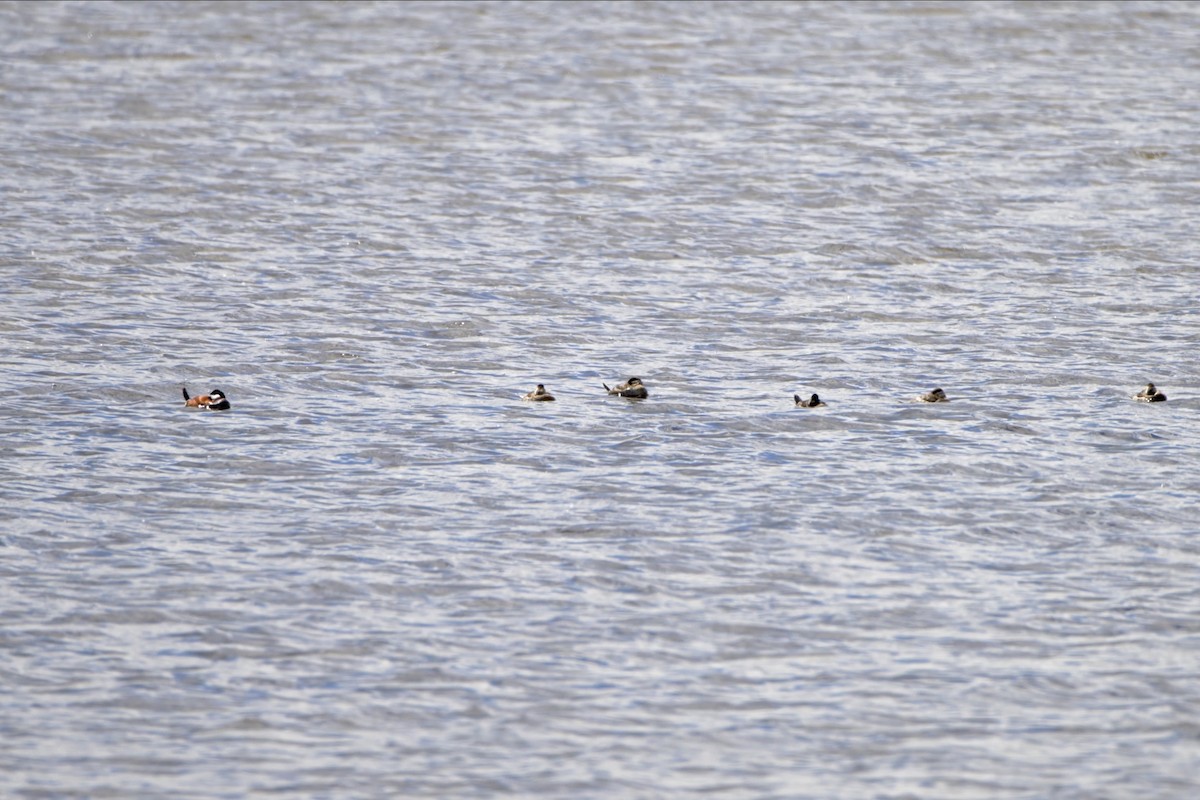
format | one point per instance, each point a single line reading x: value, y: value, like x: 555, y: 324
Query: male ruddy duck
x: 811, y: 402
x: 935, y: 396
x: 1150, y: 394
x: 539, y: 393
x: 630, y: 388
x: 213, y: 401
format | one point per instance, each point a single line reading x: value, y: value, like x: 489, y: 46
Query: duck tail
x: 796, y: 397
x: 185, y: 394
x: 605, y: 385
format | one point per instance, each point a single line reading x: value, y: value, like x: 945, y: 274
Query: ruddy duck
x: 630, y: 388
x: 811, y: 402
x: 539, y: 393
x: 1150, y: 395
x: 213, y: 401
x: 935, y: 396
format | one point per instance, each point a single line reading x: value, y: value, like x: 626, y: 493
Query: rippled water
x: 376, y: 226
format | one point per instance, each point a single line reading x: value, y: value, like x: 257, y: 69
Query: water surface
x: 376, y: 226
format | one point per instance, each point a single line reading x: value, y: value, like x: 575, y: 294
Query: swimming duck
x: 213, y: 401
x: 630, y: 388
x: 539, y: 393
x: 1150, y: 394
x: 811, y: 402
x: 935, y: 396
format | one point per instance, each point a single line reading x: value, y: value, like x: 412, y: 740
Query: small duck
x: 811, y: 402
x: 1150, y: 394
x: 213, y: 401
x: 935, y: 396
x: 539, y: 394
x: 630, y: 388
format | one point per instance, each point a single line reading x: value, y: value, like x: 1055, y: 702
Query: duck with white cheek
x: 1150, y: 394
x: 213, y: 401
x: 632, y: 388
x: 539, y: 395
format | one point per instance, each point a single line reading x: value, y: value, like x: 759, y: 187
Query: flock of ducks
x: 636, y: 390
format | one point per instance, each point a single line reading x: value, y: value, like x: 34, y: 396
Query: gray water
x: 381, y: 574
